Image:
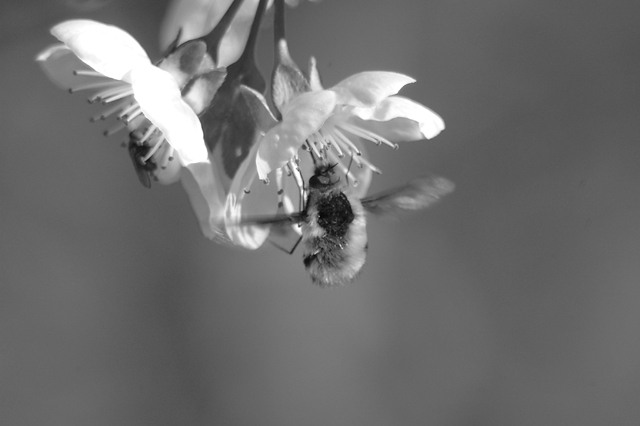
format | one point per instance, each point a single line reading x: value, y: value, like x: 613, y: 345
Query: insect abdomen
x: 335, y: 246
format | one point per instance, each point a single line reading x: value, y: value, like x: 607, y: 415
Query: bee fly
x: 333, y: 221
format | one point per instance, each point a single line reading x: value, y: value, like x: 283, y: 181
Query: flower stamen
x: 117, y: 89
x: 111, y: 110
x: 94, y: 85
x: 90, y: 73
x: 152, y: 150
x: 332, y: 143
x: 148, y: 133
x: 124, y: 114
x: 341, y: 138
x: 123, y: 93
x: 360, y: 161
x: 115, y: 129
x: 367, y: 134
x: 136, y: 112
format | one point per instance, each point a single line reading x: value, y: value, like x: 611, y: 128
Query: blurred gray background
x: 514, y: 302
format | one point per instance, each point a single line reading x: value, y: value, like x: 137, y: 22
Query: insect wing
x: 277, y: 220
x: 418, y: 194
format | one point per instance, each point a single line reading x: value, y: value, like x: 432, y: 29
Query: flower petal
x: 303, y: 116
x: 367, y: 89
x: 242, y: 206
x: 399, y: 119
x: 205, y: 193
x: 105, y: 48
x: 59, y: 63
x: 161, y: 102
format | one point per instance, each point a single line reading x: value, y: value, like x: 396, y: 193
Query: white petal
x: 59, y: 63
x: 301, y: 117
x: 161, y: 102
x: 105, y: 48
x: 369, y: 88
x: 206, y: 195
x: 427, y: 123
x: 261, y: 201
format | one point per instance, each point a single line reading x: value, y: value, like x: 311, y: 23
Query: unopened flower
x: 190, y: 19
x: 157, y: 105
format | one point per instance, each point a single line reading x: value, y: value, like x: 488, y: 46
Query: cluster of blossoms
x: 199, y: 114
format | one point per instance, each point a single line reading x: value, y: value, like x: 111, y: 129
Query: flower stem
x: 214, y: 38
x: 249, y: 49
x: 279, y: 39
x: 278, y: 21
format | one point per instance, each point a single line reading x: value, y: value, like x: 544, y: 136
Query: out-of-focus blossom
x: 191, y: 19
x: 158, y: 105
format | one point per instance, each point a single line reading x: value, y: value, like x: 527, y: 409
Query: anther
x: 246, y: 191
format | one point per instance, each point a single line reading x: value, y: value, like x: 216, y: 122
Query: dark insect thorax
x: 335, y: 214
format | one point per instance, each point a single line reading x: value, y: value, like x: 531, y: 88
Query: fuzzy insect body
x: 333, y: 232
x: 333, y: 222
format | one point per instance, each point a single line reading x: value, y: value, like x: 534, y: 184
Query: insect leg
x: 347, y: 171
